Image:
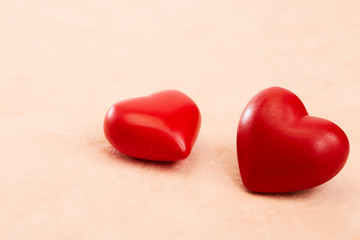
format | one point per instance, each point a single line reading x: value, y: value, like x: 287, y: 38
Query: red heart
x: 162, y: 126
x: 282, y: 149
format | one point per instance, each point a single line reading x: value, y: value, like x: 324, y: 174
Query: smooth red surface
x: 162, y: 126
x: 282, y: 149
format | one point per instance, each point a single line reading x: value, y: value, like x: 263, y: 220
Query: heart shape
x: 162, y: 126
x: 282, y: 149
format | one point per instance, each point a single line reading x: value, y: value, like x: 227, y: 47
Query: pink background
x: 63, y: 63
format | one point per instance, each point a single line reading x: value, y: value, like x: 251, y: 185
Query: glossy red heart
x: 162, y: 126
x: 283, y: 149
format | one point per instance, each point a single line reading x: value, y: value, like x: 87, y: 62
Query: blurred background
x: 63, y: 63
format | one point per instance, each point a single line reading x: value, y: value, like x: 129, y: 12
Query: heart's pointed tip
x: 182, y: 151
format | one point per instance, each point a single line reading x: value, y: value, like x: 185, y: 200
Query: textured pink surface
x: 63, y: 63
